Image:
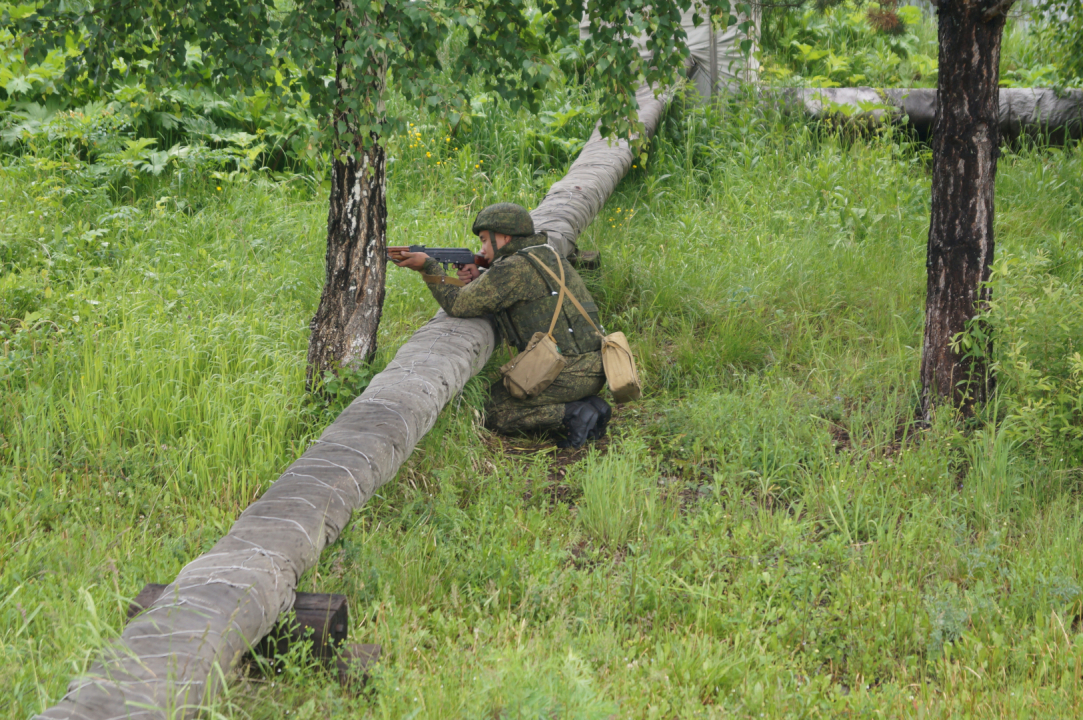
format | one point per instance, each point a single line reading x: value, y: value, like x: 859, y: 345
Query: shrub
x: 1062, y: 30
x: 1037, y: 320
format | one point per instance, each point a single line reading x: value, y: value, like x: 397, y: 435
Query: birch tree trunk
x: 344, y: 327
x: 348, y: 317
x: 966, y: 141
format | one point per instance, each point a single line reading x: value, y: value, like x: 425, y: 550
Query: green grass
x: 799, y: 549
x: 620, y: 487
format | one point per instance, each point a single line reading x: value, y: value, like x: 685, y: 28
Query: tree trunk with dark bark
x: 960, y: 250
x: 344, y: 327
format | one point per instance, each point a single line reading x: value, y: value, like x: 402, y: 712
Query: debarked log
x: 172, y: 658
x: 1033, y: 111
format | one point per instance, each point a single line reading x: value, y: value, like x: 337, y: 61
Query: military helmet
x: 506, y: 218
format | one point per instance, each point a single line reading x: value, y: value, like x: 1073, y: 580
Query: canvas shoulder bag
x: 527, y: 374
x: 617, y: 360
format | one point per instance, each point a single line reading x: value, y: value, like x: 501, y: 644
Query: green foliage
x: 340, y: 389
x: 242, y: 130
x: 346, y: 61
x: 1041, y: 76
x: 838, y: 46
x: 843, y: 44
x: 1062, y: 30
x: 17, y: 76
x: 1034, y: 52
x: 618, y: 66
x: 620, y: 489
x: 1036, y: 316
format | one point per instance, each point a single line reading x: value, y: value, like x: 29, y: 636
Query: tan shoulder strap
x: 560, y: 298
x: 571, y: 297
x: 442, y: 280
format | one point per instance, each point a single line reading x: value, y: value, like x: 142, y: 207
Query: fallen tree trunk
x: 1032, y: 111
x: 171, y: 659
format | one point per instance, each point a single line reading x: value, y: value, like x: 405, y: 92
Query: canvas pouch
x: 620, y: 368
x: 527, y: 374
x: 617, y: 359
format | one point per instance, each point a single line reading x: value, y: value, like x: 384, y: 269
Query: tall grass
x: 620, y: 493
x: 811, y: 552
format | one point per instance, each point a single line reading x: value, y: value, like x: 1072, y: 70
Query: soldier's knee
x: 514, y: 419
x: 496, y: 420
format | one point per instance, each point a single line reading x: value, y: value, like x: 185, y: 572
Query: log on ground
x: 1032, y: 111
x: 168, y: 661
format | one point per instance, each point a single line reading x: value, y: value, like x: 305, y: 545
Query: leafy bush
x: 842, y: 46
x: 831, y: 44
x: 1037, y: 51
x: 133, y: 129
x: 39, y: 114
x: 1061, y: 30
x: 1037, y: 320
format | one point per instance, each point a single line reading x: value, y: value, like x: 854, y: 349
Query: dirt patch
x: 579, y: 552
x: 555, y: 489
x: 584, y: 555
x: 908, y: 431
x: 841, y: 436
x: 691, y: 494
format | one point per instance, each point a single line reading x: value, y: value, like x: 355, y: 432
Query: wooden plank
x: 320, y: 618
x: 354, y: 662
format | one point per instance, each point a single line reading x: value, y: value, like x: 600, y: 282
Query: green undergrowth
x: 765, y: 534
x: 852, y: 43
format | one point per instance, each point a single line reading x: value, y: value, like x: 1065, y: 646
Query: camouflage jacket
x: 520, y: 298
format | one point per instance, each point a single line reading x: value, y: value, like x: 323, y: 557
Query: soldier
x: 520, y: 299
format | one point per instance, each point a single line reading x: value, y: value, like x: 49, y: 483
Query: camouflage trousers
x: 582, y: 377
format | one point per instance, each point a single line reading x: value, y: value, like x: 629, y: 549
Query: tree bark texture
x: 348, y: 317
x: 966, y: 141
x: 344, y: 327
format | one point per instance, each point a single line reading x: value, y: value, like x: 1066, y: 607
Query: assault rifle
x: 445, y: 256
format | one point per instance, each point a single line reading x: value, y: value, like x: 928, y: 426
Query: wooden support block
x: 318, y: 618
x: 321, y: 619
x: 587, y: 260
x: 326, y: 616
x: 354, y: 662
x: 145, y: 598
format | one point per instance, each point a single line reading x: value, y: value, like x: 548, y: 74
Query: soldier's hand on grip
x: 468, y: 273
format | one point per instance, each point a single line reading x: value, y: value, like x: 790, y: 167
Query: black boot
x: 604, y: 413
x: 580, y: 418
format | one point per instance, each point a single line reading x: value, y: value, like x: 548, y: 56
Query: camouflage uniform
x: 520, y: 298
